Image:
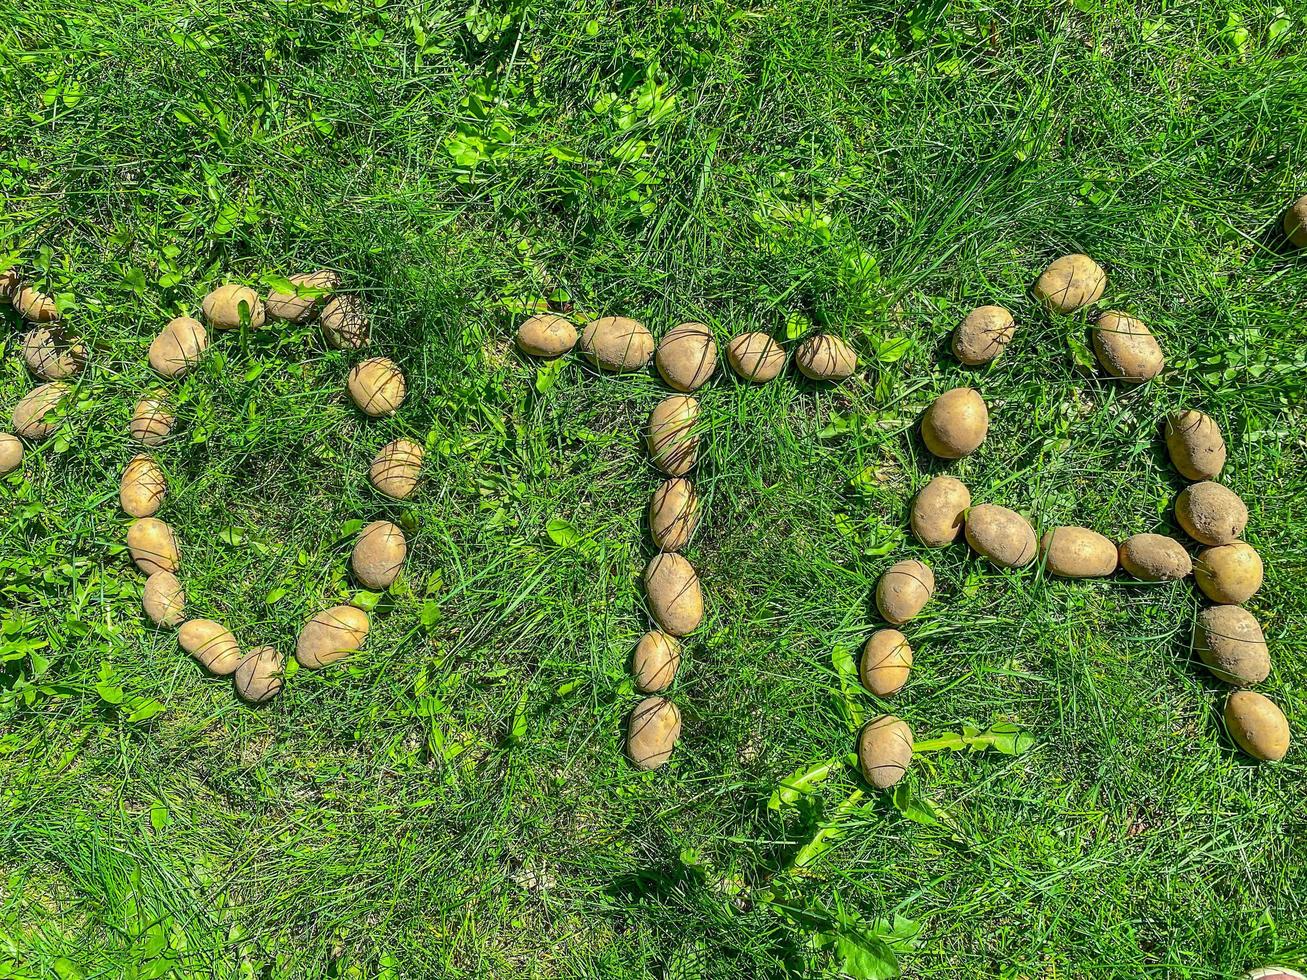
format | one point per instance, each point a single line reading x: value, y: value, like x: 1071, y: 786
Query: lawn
x: 455, y: 801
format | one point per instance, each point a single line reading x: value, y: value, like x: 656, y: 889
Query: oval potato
x: 1126, y: 348
x: 345, y: 322
x: 1071, y: 282
x: 151, y: 421
x: 755, y: 357
x: 331, y: 635
x: 311, y: 289
x: 34, y: 306
x: 1154, y: 558
x: 652, y: 732
x: 377, y: 386
x: 1295, y: 222
x: 885, y: 750
x: 258, y: 676
x: 35, y: 415
x: 10, y: 283
x: 226, y: 306
x: 673, y: 441
x: 675, y: 598
x: 656, y: 661
x: 163, y: 599
x: 673, y: 514
x: 904, y: 589
x: 617, y: 343
x: 1195, y: 445
x: 143, y: 487
x: 212, y: 644
x: 939, y: 510
x: 1257, y: 725
x: 545, y: 335
x: 379, y: 554
x: 687, y: 356
x: 52, y: 355
x: 178, y: 347
x: 983, y: 335
x: 886, y: 662
x: 1229, y: 641
x: 1229, y: 573
x: 825, y: 357
x: 396, y: 468
x: 955, y: 424
x: 1211, y: 513
x: 11, y: 453
x: 1001, y: 535
x: 153, y: 546
x: 1077, y: 552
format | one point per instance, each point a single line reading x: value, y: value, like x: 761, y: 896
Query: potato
x: 34, y: 306
x: 885, y: 750
x: 1257, y: 725
x: 52, y: 355
x: 377, y: 386
x: 258, y: 677
x: 983, y: 335
x: 1211, y: 513
x: 938, y: 511
x: 656, y: 661
x: 212, y: 644
x: 396, y: 468
x: 143, y: 487
x: 886, y: 662
x: 1077, y: 552
x: 151, y: 421
x: 904, y: 589
x: 153, y: 546
x: 675, y: 600
x: 825, y: 357
x: 226, y: 306
x: 616, y: 343
x: 1229, y: 640
x: 1154, y: 558
x: 378, y: 555
x: 755, y: 357
x: 673, y: 514
x: 687, y: 356
x: 1126, y: 348
x: 545, y: 335
x: 10, y: 283
x: 178, y: 347
x: 35, y: 415
x: 1295, y: 222
x: 1229, y: 573
x: 1071, y: 282
x: 652, y: 732
x: 1001, y: 535
x: 345, y: 323
x: 1195, y: 444
x: 331, y: 635
x: 1272, y: 973
x: 673, y: 439
x: 955, y: 424
x: 299, y: 307
x: 163, y: 599
x: 11, y: 453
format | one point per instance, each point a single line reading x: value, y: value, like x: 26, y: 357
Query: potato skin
x: 652, y: 732
x: 983, y: 335
x: 675, y: 598
x: 396, y: 468
x: 163, y: 599
x: 34, y: 306
x: 1229, y: 641
x: 294, y: 308
x: 655, y: 662
x: 153, y: 546
x: 825, y: 357
x: 143, y: 487
x: 886, y: 662
x: 345, y: 323
x: 258, y: 677
x: 673, y: 441
x: 1001, y: 535
x: 938, y: 511
x: 331, y: 635
x: 378, y: 555
x: 1211, y: 513
x: 617, y: 343
x: 955, y: 424
x: 1154, y: 558
x: 673, y: 514
x: 1257, y: 725
x: 11, y: 453
x: 52, y: 355
x: 178, y: 347
x: 1295, y: 222
x: 545, y: 335
x: 903, y: 590
x: 1071, y: 282
x: 212, y: 644
x: 151, y: 421
x: 1126, y: 348
x: 1077, y: 552
x: 222, y: 307
x: 1195, y: 445
x: 687, y: 356
x: 755, y: 357
x: 377, y: 386
x: 885, y: 750
x: 1229, y: 573
x: 34, y: 415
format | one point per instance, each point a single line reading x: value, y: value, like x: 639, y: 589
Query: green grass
x: 454, y: 802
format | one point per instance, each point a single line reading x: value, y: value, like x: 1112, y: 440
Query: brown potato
x: 673, y: 514
x: 212, y: 644
x: 652, y: 732
x: 1229, y: 640
x: 904, y: 589
x: 656, y: 661
x: 52, y: 355
x: 377, y: 386
x: 1257, y: 725
x: 331, y: 635
x: 939, y: 510
x: 345, y: 323
x: 675, y: 599
x: 34, y: 306
x: 379, y: 555
x: 545, y: 335
x: 311, y: 289
x: 259, y: 675
x: 10, y: 283
x: 1077, y: 552
x: 1001, y: 535
x: 617, y: 343
x: 226, y: 306
x: 151, y: 421
x: 886, y: 662
x: 755, y: 357
x: 11, y: 453
x: 396, y: 468
x: 825, y: 357
x: 36, y: 415
x: 1071, y: 282
x: 955, y: 424
x: 178, y: 347
x: 1229, y: 573
x: 143, y: 487
x: 1295, y: 222
x: 687, y: 356
x: 673, y: 439
x: 153, y: 546
x: 1126, y: 348
x: 1211, y: 513
x: 983, y: 335
x: 1195, y: 444
x: 885, y: 750
x: 1154, y: 558
x: 163, y: 599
